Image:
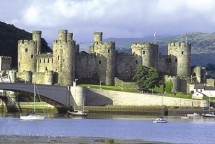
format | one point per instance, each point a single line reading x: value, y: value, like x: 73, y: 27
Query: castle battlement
x: 21, y: 42
x: 179, y: 44
x: 36, y: 32
x: 140, y: 44
x: 57, y: 42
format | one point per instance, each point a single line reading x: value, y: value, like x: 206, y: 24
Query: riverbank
x: 7, y: 139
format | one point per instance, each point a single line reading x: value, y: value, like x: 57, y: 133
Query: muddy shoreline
x: 7, y: 139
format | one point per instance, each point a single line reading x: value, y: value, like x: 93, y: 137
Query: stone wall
x: 97, y: 97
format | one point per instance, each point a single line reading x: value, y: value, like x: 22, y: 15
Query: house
x: 201, y: 90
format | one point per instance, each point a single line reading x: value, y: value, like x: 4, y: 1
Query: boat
x: 210, y: 114
x: 77, y: 112
x: 185, y: 117
x: 32, y: 115
x: 160, y: 120
x: 193, y: 115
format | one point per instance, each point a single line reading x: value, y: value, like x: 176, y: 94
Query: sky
x: 115, y: 18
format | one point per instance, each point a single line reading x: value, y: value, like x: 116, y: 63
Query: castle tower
x: 64, y: 58
x: 69, y: 36
x: 145, y: 54
x: 62, y: 35
x: 36, y: 36
x: 98, y: 37
x: 105, y: 60
x: 182, y: 51
x: 26, y: 55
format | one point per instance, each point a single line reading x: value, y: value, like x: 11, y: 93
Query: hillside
x: 9, y: 36
x: 203, y: 44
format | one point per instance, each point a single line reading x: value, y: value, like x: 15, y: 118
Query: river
x: 130, y: 127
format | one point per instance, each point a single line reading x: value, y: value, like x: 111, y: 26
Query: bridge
x: 58, y: 96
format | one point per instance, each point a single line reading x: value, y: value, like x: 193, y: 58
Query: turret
x: 145, y: 54
x: 182, y: 52
x: 36, y: 36
x: 26, y: 55
x: 97, y: 37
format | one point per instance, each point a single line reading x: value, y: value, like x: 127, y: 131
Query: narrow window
x: 176, y: 60
x: 19, y: 63
x: 46, y: 68
x: 108, y: 51
x: 182, y: 52
x: 44, y: 60
x: 144, y: 52
x: 26, y: 50
x: 32, y: 56
x: 136, y: 62
x: 100, y: 62
x: 48, y: 60
x: 58, y: 57
x: 52, y: 60
x: 63, y: 60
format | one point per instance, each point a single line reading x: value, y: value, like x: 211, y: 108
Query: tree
x: 147, y: 78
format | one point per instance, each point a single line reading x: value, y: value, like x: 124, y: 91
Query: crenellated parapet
x: 26, y: 42
x: 179, y: 44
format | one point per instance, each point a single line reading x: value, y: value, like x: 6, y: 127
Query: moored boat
x: 78, y: 113
x: 160, y: 120
x: 210, y: 114
x: 193, y: 115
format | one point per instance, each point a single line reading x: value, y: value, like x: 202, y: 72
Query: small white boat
x: 193, y: 115
x: 32, y: 115
x: 185, y: 117
x: 160, y: 120
x: 211, y: 114
x: 78, y: 113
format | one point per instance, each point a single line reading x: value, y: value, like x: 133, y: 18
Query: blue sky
x: 115, y: 18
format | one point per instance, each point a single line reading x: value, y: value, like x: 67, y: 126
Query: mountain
x: 9, y: 36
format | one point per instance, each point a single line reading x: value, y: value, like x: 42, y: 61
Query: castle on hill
x: 102, y: 62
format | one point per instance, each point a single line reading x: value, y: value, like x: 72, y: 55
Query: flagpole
x: 155, y: 37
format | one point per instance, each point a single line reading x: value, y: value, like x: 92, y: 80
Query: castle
x: 103, y: 62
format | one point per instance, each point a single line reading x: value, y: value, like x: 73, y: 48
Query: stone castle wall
x: 96, y: 97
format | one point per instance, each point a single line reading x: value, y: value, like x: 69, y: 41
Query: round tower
x: 106, y: 61
x: 69, y: 36
x: 26, y: 55
x: 64, y: 60
x: 182, y: 51
x: 62, y: 35
x: 36, y: 36
x: 145, y: 54
x: 97, y: 37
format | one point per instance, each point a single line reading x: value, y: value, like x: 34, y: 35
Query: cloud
x: 115, y: 18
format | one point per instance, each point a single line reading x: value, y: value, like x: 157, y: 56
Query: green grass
x: 155, y: 90
x: 105, y: 87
